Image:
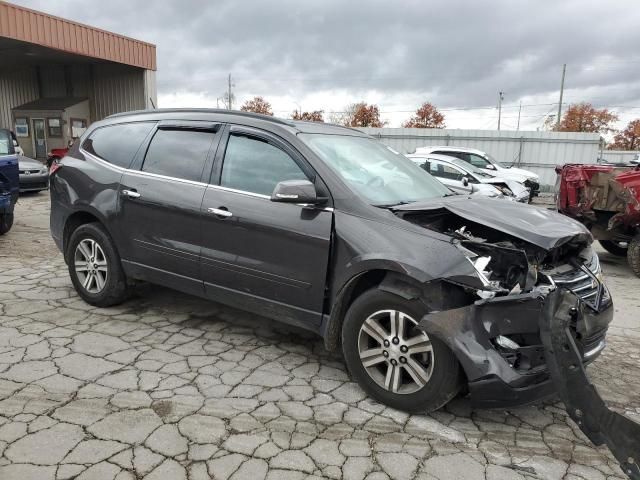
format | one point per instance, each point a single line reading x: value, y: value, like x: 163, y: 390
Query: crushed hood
x: 541, y: 227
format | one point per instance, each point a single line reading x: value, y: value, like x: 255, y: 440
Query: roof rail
x: 260, y: 116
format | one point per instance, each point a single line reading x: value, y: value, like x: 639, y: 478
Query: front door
x: 160, y: 204
x: 39, y: 140
x: 259, y: 255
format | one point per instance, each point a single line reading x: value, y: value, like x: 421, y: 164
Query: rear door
x: 160, y: 199
x: 259, y: 255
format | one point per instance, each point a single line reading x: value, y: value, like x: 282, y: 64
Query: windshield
x: 382, y: 176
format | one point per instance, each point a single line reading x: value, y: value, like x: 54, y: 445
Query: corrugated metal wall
x: 16, y: 87
x: 111, y: 88
x: 117, y: 88
x: 539, y: 152
x: 619, y: 156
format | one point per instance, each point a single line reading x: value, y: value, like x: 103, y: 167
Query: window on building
x: 78, y: 126
x: 178, y: 153
x: 118, y: 144
x: 254, y: 165
x: 54, y: 127
x: 22, y: 127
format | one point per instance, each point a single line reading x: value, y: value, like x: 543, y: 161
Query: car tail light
x: 55, y: 166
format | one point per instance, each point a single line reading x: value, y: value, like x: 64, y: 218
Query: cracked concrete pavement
x: 169, y: 386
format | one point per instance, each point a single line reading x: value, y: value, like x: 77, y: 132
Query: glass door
x: 39, y: 140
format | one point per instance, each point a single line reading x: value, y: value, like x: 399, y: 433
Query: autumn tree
x: 583, y: 117
x: 315, y: 116
x: 627, y: 139
x: 362, y: 115
x: 257, y: 105
x: 427, y: 116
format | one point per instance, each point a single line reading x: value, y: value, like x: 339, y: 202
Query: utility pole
x: 500, y: 98
x: 229, y: 93
x: 519, y: 112
x: 564, y: 69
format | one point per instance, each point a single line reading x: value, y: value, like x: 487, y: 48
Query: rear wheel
x: 633, y: 255
x: 394, y: 361
x: 94, y: 266
x: 6, y: 221
x: 615, y: 248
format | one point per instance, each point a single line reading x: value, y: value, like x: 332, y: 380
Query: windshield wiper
x: 450, y: 194
x: 391, y: 205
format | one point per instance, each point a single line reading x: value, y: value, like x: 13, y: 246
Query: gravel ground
x: 169, y: 386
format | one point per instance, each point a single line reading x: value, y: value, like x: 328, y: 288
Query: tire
x: 445, y: 372
x: 614, y: 248
x: 6, y: 222
x: 633, y: 254
x: 112, y: 289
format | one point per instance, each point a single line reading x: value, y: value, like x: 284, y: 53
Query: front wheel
x: 394, y: 361
x: 615, y: 248
x: 633, y: 255
x: 94, y: 266
x: 6, y: 221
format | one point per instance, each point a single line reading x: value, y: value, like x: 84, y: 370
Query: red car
x: 56, y: 154
x: 606, y: 198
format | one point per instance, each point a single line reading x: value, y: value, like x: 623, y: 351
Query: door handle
x: 130, y: 193
x: 221, y: 212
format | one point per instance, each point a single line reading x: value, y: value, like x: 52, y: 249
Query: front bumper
x: 34, y: 182
x: 502, y: 377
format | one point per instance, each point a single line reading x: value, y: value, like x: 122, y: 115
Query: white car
x: 488, y: 164
x: 16, y: 145
x: 464, y: 178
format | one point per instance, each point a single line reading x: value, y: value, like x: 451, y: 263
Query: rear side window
x: 118, y: 144
x: 253, y: 165
x: 178, y: 153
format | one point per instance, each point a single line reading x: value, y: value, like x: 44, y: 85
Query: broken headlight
x: 500, y: 269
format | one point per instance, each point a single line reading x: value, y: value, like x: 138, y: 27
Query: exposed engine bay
x: 506, y: 264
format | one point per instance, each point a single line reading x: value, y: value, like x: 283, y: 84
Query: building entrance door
x: 39, y: 140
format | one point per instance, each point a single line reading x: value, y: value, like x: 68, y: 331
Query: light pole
x: 500, y: 99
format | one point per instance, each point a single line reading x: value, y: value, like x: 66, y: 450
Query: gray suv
x: 426, y: 292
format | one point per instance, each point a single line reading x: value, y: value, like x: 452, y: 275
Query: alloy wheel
x: 91, y: 265
x: 394, y: 352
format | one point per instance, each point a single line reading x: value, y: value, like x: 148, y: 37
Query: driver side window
x: 251, y: 164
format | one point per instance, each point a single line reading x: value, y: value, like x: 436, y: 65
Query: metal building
x: 57, y: 76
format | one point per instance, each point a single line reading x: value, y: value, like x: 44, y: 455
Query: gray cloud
x: 454, y: 53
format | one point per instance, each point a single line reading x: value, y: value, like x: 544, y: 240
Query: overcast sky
x: 326, y: 54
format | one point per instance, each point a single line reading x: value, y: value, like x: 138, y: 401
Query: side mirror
x: 295, y: 191
x: 465, y: 181
x: 490, y: 166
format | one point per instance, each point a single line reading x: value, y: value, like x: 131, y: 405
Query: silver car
x: 34, y: 175
x: 463, y: 177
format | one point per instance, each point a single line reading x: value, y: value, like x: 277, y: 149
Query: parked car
x: 462, y: 177
x: 606, y: 198
x: 34, y: 176
x: 16, y: 145
x: 425, y: 292
x: 8, y: 180
x: 56, y: 154
x: 488, y: 164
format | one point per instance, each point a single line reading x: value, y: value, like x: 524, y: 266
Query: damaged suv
x: 426, y: 292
